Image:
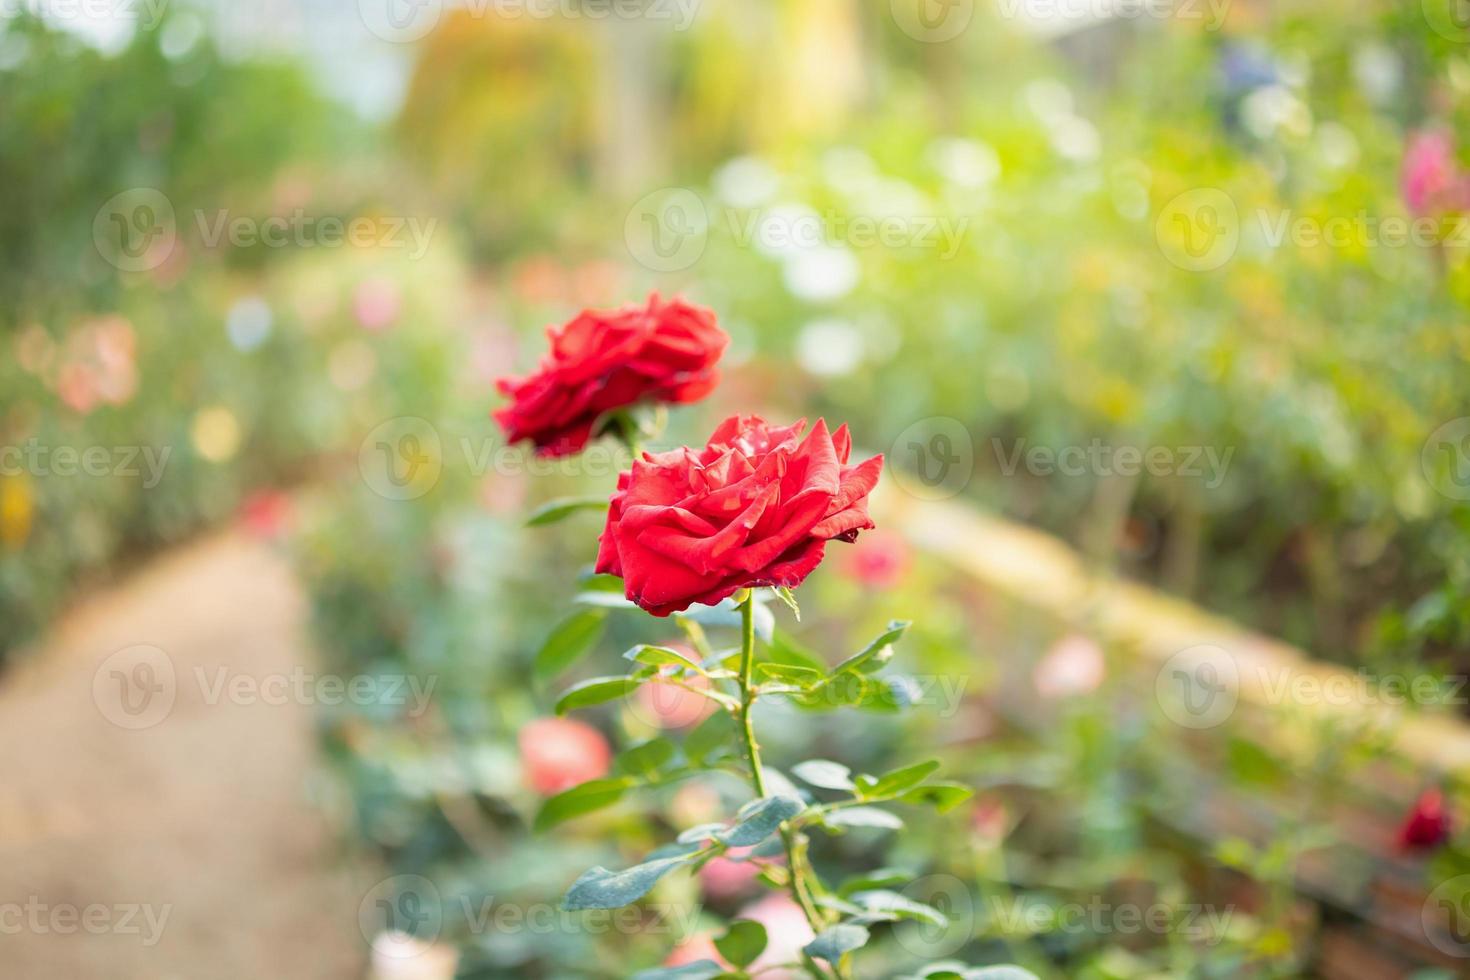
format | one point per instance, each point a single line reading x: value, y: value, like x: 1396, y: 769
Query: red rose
x: 603, y: 360
x: 754, y: 507
x: 1428, y: 824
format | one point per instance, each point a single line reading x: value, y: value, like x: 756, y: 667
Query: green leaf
x: 863, y: 816
x: 825, y: 774
x: 879, y: 878
x: 569, y: 642
x: 742, y: 942
x: 562, y: 508
x: 943, y: 796
x: 594, y: 691
x: 760, y: 818
x: 782, y: 649
x: 895, y: 782
x: 600, y: 888
x: 698, y: 970
x: 875, y: 654
x: 892, y: 903
x: 584, y: 798
x: 654, y: 656
x: 832, y: 943
x: 802, y: 677
x: 647, y: 758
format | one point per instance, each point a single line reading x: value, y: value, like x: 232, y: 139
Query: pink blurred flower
x: 99, y: 365
x: 694, y: 949
x: 77, y: 387
x: 1427, y: 825
x: 787, y: 930
x: 266, y: 513
x: 1431, y: 180
x: 559, y: 753
x: 376, y: 304
x: 878, y: 559
x: 664, y: 704
x: 34, y: 349
x: 991, y: 821
x: 724, y: 879
x: 1074, y: 665
x: 503, y: 493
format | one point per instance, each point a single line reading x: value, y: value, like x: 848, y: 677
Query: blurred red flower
x: 754, y: 507
x: 880, y: 560
x: 605, y: 360
x: 559, y: 753
x: 1431, y: 180
x: 1428, y: 824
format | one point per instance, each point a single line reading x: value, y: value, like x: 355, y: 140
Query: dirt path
x: 153, y: 825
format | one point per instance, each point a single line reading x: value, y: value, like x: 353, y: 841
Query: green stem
x: 796, y: 843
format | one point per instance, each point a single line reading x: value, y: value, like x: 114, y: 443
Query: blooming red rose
x: 754, y: 507
x: 1428, y: 824
x: 604, y: 360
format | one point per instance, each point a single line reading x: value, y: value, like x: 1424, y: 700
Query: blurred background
x: 1158, y: 308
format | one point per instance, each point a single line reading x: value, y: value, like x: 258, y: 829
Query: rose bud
x: 559, y: 753
x: 755, y: 507
x: 606, y: 360
x: 1428, y: 824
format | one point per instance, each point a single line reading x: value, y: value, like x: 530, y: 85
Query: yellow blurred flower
x: 216, y: 434
x: 17, y: 511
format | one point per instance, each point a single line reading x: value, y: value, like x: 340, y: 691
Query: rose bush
x: 601, y: 361
x: 755, y: 507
